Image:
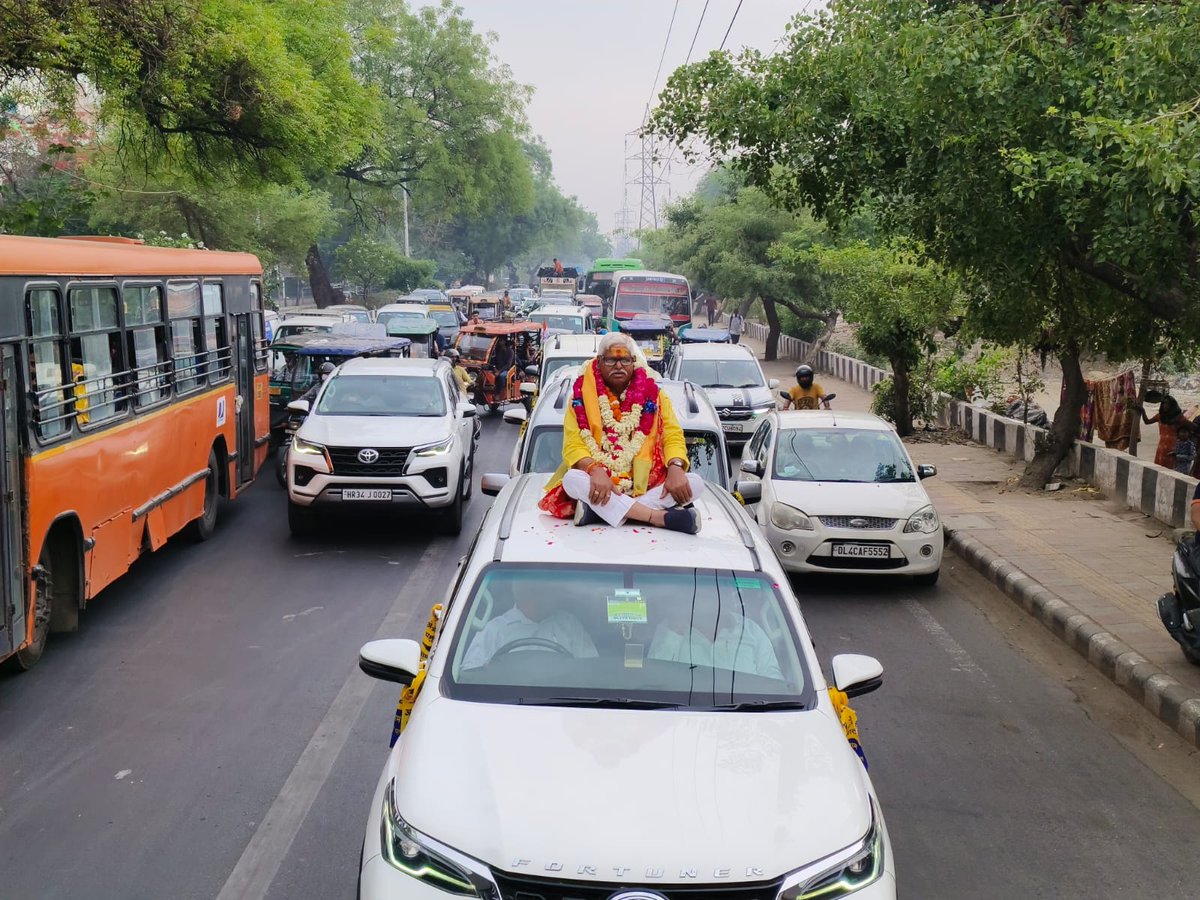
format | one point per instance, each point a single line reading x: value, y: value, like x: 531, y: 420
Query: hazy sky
x: 592, y: 64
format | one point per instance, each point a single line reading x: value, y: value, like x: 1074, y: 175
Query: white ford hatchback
x: 622, y: 712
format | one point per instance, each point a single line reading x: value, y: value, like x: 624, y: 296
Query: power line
x: 730, y: 28
x: 662, y: 56
x: 697, y: 33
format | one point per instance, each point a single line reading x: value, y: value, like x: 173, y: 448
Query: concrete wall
x: 1162, y: 493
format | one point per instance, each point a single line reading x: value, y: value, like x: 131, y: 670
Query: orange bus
x: 133, y: 395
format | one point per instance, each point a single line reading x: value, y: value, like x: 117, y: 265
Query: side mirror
x: 751, y: 467
x: 514, y: 416
x: 531, y: 370
x: 467, y: 410
x: 772, y: 383
x: 492, y: 483
x: 856, y: 674
x: 785, y: 395
x: 749, y: 491
x: 299, y: 407
x: 394, y: 659
x: 926, y: 471
x: 528, y: 388
x: 829, y: 397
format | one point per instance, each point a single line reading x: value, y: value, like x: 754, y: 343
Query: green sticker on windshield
x: 626, y: 606
x: 746, y: 582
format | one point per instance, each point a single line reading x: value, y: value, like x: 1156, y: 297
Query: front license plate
x: 359, y: 494
x: 734, y: 427
x: 860, y: 550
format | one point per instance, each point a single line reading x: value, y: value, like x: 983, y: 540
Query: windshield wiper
x: 761, y: 706
x: 602, y: 703
x: 717, y: 386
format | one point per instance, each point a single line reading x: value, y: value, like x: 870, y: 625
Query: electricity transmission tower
x: 647, y: 178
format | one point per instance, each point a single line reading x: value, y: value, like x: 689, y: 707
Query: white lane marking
x: 962, y: 659
x: 291, y: 616
x: 259, y: 863
x: 123, y: 774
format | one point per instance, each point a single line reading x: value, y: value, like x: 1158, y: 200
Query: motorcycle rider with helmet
x: 310, y: 396
x: 807, y: 394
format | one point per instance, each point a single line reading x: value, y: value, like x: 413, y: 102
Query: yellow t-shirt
x: 806, y: 398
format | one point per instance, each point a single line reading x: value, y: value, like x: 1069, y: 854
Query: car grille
x: 389, y: 465
x: 860, y: 522
x: 735, y: 413
x: 519, y: 887
x: 857, y: 562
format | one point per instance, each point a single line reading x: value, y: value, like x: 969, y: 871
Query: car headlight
x: 306, y: 448
x: 855, y: 868
x: 407, y: 850
x: 789, y: 518
x: 439, y: 449
x: 763, y: 410
x: 924, y: 520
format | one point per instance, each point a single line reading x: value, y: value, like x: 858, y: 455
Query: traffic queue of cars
x: 570, y: 666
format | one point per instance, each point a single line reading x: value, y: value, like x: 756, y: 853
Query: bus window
x: 52, y: 410
x: 97, y: 357
x: 256, y: 326
x: 147, y: 343
x: 216, y: 334
x: 187, y: 335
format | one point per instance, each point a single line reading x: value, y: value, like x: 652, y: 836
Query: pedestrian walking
x: 1169, y: 417
x: 711, y: 305
x: 737, y: 325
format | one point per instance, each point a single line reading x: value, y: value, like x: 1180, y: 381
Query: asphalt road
x: 207, y: 734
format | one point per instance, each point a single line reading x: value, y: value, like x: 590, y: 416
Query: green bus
x: 599, y: 278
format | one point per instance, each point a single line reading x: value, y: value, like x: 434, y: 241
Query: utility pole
x: 407, y: 248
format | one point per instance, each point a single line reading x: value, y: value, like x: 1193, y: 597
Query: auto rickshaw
x: 490, y: 307
x: 704, y: 336
x: 477, y: 346
x: 459, y: 297
x: 295, y: 360
x: 654, y: 335
x: 423, y: 333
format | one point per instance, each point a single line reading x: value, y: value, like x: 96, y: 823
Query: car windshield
x: 722, y: 373
x: 703, y: 448
x: 295, y: 328
x: 573, y: 324
x: 561, y: 362
x: 626, y: 635
x: 444, y: 317
x: 474, y: 346
x: 841, y: 454
x: 382, y: 395
x: 385, y: 317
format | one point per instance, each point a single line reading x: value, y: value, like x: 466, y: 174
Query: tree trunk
x: 772, y: 317
x: 823, y: 340
x: 318, y: 277
x: 901, y: 408
x: 1065, y: 426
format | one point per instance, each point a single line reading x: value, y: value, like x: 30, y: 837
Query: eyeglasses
x: 613, y: 361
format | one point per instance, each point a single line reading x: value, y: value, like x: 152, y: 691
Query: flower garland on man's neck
x: 621, y: 439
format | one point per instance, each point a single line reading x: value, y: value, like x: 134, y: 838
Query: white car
x: 569, y: 741
x: 384, y: 434
x: 576, y: 319
x: 732, y: 378
x: 838, y: 492
x: 565, y: 351
x: 307, y: 323
x: 391, y: 311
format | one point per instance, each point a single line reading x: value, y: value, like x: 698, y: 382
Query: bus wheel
x: 202, y: 529
x: 57, y: 585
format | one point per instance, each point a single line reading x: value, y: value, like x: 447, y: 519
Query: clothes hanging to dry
x: 1105, y: 410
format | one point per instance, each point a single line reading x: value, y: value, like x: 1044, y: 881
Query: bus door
x: 12, y: 566
x: 243, y: 343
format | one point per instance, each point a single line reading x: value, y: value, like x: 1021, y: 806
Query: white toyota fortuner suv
x: 384, y: 434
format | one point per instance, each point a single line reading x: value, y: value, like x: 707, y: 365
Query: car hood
x: 374, y: 431
x: 739, y: 397
x: 586, y: 793
x: 832, y: 498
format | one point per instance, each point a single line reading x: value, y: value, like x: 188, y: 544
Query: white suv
x: 630, y: 712
x: 732, y: 378
x: 384, y: 434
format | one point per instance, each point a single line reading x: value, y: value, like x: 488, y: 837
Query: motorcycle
x: 1180, y: 609
x: 290, y: 426
x: 788, y: 397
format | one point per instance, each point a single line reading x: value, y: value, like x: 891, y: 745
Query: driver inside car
x: 741, y: 645
x: 533, y: 616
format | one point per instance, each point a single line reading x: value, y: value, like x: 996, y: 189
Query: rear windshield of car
x: 722, y: 373
x: 284, y: 331
x: 382, y: 395
x: 573, y: 324
x: 612, y: 635
x: 385, y: 317
x: 444, y: 317
x: 703, y: 447
x: 554, y: 363
x: 841, y: 454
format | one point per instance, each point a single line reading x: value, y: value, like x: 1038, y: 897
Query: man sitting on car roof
x: 624, y: 454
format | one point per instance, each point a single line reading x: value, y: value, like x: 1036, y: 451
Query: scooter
x: 788, y: 397
x: 1180, y: 609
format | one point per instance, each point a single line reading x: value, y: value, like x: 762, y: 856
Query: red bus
x: 133, y: 396
x: 660, y: 293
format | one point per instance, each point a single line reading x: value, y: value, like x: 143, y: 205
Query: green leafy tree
x: 410, y: 274
x: 1046, y: 150
x: 368, y: 261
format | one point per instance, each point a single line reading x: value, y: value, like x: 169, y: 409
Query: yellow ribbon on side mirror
x: 849, y: 720
x: 408, y: 696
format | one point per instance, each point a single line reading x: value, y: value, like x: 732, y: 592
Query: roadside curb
x: 1173, y: 702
